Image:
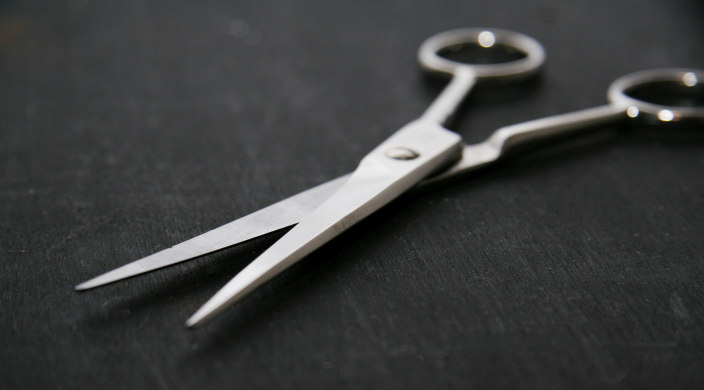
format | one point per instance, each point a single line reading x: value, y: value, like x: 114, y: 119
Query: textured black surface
x: 126, y: 127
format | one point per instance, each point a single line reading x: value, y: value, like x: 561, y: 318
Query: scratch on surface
x: 678, y: 307
x: 77, y: 231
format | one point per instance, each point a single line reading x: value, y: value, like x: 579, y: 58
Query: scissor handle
x: 430, y: 58
x: 681, y: 84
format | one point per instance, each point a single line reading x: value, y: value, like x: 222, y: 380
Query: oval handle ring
x: 430, y: 59
x: 618, y: 93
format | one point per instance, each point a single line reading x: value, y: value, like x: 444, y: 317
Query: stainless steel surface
x: 430, y: 58
x: 277, y: 216
x: 291, y: 210
x: 683, y: 78
x: 505, y: 139
x: 465, y: 75
x: 622, y: 107
x: 379, y: 178
x: 402, y: 161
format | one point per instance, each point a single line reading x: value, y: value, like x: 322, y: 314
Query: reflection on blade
x: 339, y: 212
x: 378, y: 180
x: 275, y: 217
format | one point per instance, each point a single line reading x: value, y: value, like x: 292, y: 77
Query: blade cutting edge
x: 275, y: 217
x: 378, y: 179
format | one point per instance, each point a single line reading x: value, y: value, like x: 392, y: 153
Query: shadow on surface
x: 155, y: 290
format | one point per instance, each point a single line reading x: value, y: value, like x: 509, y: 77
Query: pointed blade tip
x: 205, y: 313
x: 95, y: 282
x: 84, y: 286
x: 195, y: 320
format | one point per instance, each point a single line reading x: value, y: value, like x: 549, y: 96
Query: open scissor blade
x: 379, y: 179
x: 278, y: 216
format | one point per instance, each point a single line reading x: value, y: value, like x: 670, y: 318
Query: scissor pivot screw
x: 402, y: 153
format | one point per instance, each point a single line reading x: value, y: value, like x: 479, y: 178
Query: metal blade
x: 379, y: 179
x: 278, y: 216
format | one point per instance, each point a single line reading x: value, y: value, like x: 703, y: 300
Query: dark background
x: 126, y: 127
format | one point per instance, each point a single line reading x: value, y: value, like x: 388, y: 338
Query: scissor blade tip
x: 203, y: 315
x: 194, y: 321
x: 93, y: 283
x: 84, y: 286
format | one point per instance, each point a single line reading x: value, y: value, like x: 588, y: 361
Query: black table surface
x: 127, y: 127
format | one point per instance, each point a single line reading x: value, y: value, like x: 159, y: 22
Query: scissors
x: 421, y: 152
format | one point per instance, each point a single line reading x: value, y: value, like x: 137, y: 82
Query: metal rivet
x: 402, y: 153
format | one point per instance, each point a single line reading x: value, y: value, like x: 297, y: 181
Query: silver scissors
x: 422, y: 151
